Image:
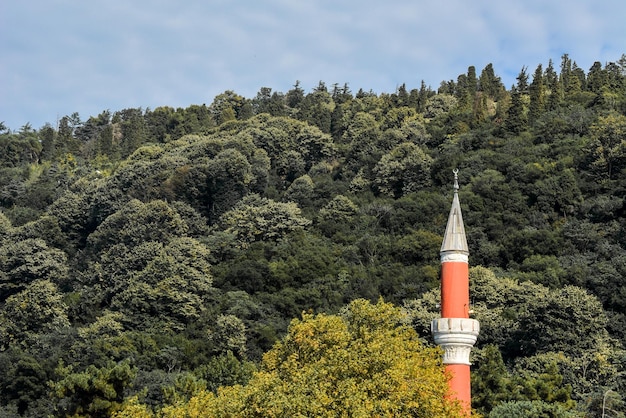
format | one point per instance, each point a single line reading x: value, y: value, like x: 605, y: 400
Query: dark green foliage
x: 17, y: 149
x: 537, y: 95
x: 137, y: 223
x: 23, y: 262
x: 152, y: 284
x: 490, y: 84
x: 95, y: 392
x: 529, y: 409
x: 133, y: 130
x: 563, y: 321
x: 491, y: 381
x: 225, y: 370
x: 23, y: 380
x: 517, y: 117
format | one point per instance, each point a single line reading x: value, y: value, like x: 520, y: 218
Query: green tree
x: 95, y: 392
x: 48, y: 142
x: 37, y: 309
x: 530, y: 409
x: 138, y: 222
x: 228, y: 106
x: 5, y: 226
x: 46, y: 228
x: 491, y: 381
x: 66, y: 142
x: 104, y: 340
x: 608, y: 146
x: 266, y: 102
x: 301, y: 191
x: 568, y: 320
x: 28, y: 260
x: 537, y: 95
x: 317, y: 108
x: 340, y: 209
x: 170, y: 291
x: 225, y: 370
x: 398, y: 116
x: 105, y: 142
x: 362, y: 141
x: 404, y: 170
x: 597, y: 78
x: 159, y: 124
x: 572, y: 78
x: 229, y: 177
x: 229, y: 336
x: 554, y: 89
x: 257, y: 218
x: 490, y: 84
x: 539, y: 378
x: 439, y: 105
x: 422, y: 96
x: 338, y: 216
x: 73, y: 214
x: 295, y: 96
x: 217, y: 173
x: 517, y: 115
x: 133, y: 130
x: 144, y: 176
x: 557, y: 191
x: 566, y: 78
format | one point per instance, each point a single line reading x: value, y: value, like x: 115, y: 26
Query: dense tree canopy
x: 150, y: 257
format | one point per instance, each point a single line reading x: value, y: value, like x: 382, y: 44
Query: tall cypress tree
x: 472, y: 81
x: 490, y: 84
x: 596, y: 78
x: 462, y: 93
x: 48, y: 140
x: 554, y: 89
x: 537, y: 95
x: 423, y: 95
x: 517, y: 117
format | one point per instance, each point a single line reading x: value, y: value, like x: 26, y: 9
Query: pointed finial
x: 454, y: 240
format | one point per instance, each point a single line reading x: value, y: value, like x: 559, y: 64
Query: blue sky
x: 65, y: 56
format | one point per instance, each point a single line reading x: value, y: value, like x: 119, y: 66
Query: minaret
x: 455, y: 332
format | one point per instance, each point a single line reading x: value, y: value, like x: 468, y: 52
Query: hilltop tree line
x: 235, y: 258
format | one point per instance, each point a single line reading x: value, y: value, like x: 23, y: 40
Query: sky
x: 58, y: 57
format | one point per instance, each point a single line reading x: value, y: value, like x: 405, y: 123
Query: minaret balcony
x: 456, y: 336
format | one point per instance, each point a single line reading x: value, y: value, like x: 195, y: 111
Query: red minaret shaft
x: 455, y: 332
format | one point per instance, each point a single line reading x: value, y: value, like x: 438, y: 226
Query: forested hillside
x: 150, y: 256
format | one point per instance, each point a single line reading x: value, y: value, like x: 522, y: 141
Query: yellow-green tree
x: 364, y: 362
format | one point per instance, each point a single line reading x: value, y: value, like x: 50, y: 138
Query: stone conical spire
x: 454, y: 239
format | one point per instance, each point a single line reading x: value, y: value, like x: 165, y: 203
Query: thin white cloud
x: 62, y: 56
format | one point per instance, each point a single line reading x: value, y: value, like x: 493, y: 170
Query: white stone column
x: 456, y: 336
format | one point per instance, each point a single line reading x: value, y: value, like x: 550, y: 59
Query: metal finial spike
x: 456, y: 179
